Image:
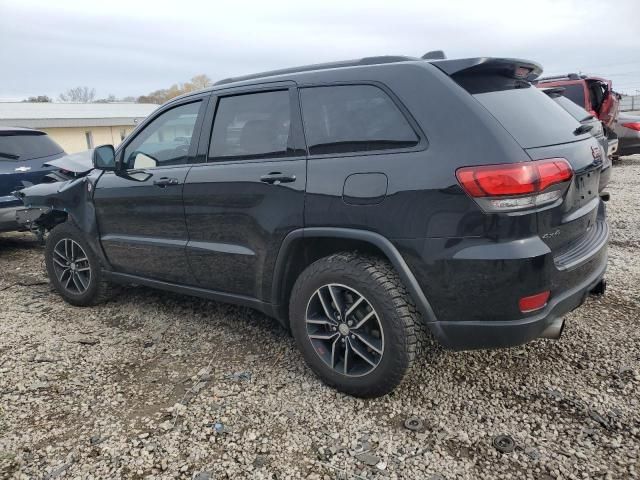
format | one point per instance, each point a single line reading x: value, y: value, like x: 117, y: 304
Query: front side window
x: 353, y: 118
x: 166, y: 140
x: 255, y: 125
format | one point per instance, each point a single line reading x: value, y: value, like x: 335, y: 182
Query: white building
x: 77, y: 126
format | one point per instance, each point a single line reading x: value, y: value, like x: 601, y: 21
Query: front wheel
x: 74, y: 270
x: 354, y: 323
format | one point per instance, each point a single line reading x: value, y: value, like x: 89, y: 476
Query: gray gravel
x: 154, y: 385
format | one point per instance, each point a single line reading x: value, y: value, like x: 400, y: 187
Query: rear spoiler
x: 510, y: 67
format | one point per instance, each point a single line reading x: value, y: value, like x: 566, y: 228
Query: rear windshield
x: 575, y: 93
x: 21, y: 147
x: 576, y: 112
x: 529, y: 115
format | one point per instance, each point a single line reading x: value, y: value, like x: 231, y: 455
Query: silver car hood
x: 81, y: 162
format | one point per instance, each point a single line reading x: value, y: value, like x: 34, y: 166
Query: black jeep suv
x: 356, y: 202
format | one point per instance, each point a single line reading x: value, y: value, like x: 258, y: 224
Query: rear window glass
x: 575, y: 93
x: 27, y: 147
x: 530, y: 116
x: 576, y: 112
x: 353, y: 118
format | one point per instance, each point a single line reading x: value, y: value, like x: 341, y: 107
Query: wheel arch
x: 302, y: 247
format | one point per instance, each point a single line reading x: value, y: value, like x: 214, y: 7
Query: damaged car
x: 25, y: 160
x: 60, y: 175
x: 342, y: 200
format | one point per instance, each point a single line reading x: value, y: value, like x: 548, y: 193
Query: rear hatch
x: 545, y: 131
x: 22, y: 157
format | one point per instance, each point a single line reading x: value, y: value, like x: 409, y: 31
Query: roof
x: 48, y: 115
x: 448, y: 66
x: 319, y: 66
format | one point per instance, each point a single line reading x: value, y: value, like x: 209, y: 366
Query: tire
x: 392, y: 329
x: 87, y: 287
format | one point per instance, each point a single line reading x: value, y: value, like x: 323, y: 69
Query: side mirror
x: 104, y: 158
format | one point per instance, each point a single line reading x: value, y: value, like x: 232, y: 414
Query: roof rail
x: 321, y: 66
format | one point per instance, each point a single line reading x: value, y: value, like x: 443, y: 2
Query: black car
x: 356, y: 202
x: 24, y: 154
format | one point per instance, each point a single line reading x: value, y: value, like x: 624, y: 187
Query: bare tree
x: 39, y: 99
x: 110, y: 99
x: 200, y: 81
x: 160, y: 96
x: 78, y: 95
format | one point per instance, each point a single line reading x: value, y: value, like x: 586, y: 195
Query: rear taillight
x: 516, y: 186
x: 632, y: 125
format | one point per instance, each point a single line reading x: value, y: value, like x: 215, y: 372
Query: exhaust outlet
x: 554, y: 330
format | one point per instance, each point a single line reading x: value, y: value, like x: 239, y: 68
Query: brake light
x: 534, y: 302
x: 514, y: 186
x: 632, y: 125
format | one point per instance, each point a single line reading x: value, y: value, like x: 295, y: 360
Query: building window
x: 123, y: 134
x: 89, y: 136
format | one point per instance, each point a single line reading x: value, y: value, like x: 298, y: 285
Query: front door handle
x: 164, y: 181
x: 276, y: 178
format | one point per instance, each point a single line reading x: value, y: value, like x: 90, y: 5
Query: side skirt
x: 240, y: 300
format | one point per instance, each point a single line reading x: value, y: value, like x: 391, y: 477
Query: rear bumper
x: 628, y: 146
x: 469, y: 335
x: 605, y: 177
x: 473, y: 285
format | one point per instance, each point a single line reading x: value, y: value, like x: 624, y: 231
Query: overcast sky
x: 131, y: 48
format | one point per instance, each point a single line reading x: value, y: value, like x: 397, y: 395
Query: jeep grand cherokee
x: 356, y: 202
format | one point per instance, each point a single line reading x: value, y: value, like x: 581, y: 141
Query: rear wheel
x: 354, y: 323
x: 73, y: 269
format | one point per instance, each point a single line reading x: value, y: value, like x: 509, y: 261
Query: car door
x: 139, y: 209
x: 242, y: 203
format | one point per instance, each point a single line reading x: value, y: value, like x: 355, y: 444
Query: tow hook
x: 605, y: 196
x: 600, y: 288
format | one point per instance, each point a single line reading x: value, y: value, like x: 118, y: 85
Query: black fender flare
x: 375, y: 239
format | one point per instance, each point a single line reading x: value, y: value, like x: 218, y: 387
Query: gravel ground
x: 155, y: 385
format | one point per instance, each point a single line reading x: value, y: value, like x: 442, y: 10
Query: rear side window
x: 575, y: 93
x: 530, y: 116
x: 255, y: 125
x: 27, y: 147
x: 353, y: 118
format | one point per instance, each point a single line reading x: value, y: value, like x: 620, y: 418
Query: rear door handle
x: 164, y: 181
x: 275, y: 178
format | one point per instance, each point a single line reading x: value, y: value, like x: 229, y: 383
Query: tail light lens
x: 632, y: 125
x: 516, y: 186
x: 534, y: 302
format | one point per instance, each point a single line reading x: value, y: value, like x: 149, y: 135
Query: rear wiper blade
x: 582, y: 129
x: 10, y: 156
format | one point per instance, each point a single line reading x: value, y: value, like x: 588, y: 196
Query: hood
x: 81, y: 162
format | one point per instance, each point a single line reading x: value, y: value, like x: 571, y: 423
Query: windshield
x: 21, y: 147
x: 575, y: 93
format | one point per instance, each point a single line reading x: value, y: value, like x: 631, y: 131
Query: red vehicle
x: 594, y: 94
